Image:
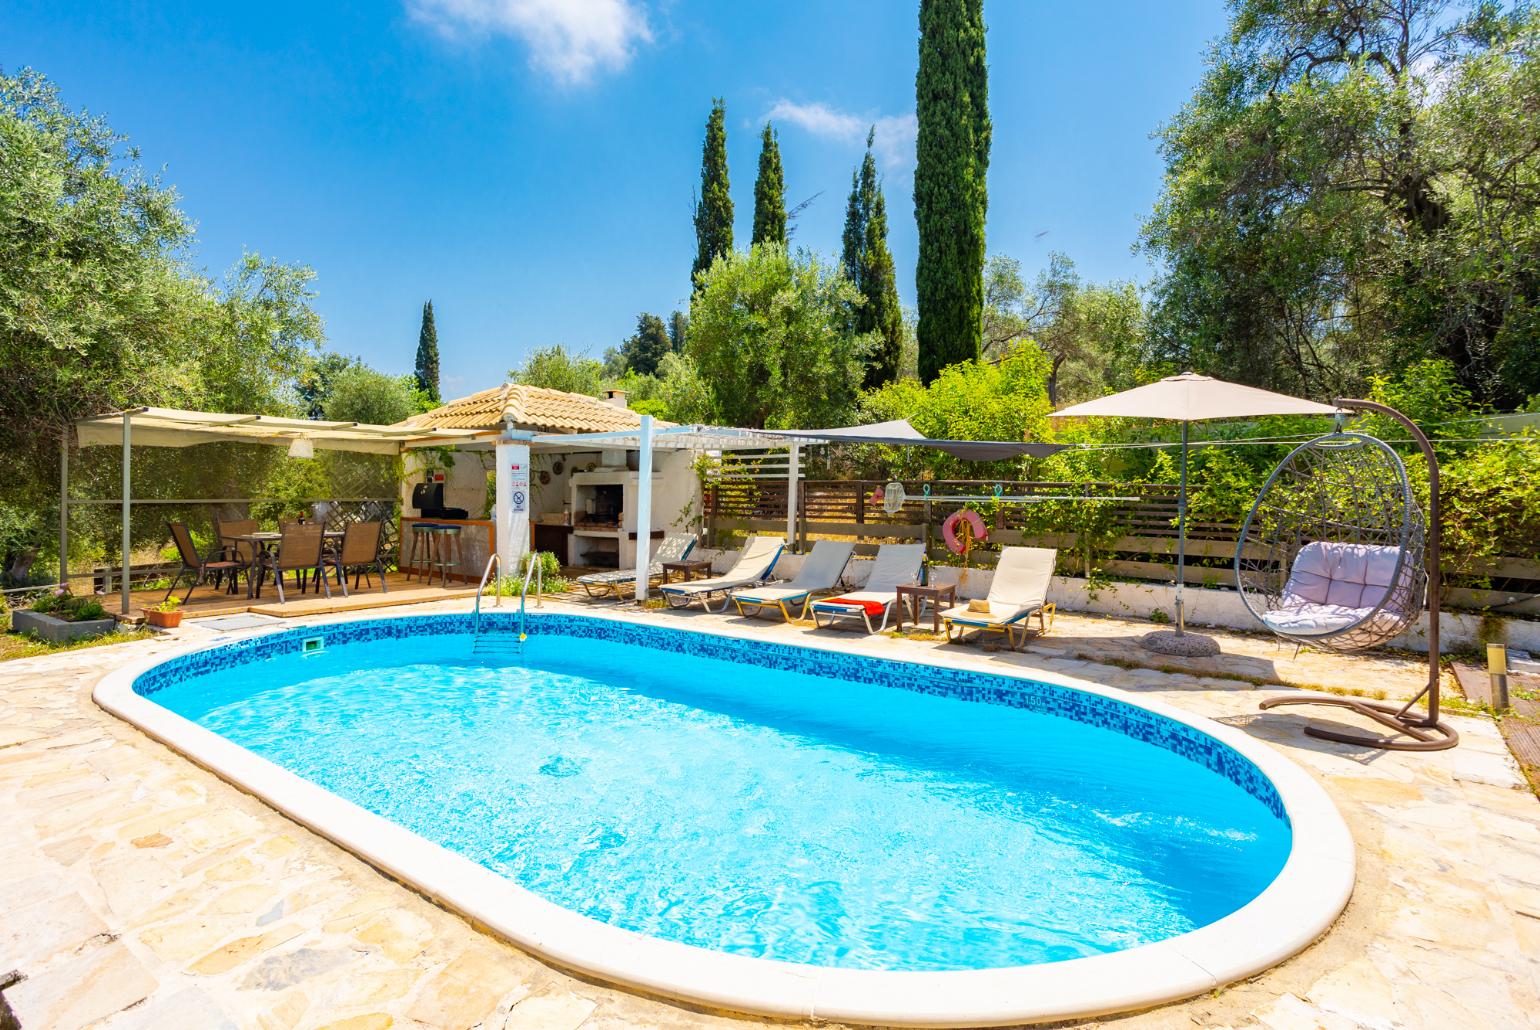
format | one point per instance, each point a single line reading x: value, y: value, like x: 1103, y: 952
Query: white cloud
x: 892, y: 142
x: 570, y: 40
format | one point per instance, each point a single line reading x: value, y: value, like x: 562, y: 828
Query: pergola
x: 175, y: 427
x: 171, y: 427
x: 644, y: 440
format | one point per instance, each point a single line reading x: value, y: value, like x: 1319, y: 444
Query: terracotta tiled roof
x: 529, y: 407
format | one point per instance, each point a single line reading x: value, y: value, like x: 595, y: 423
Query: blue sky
x: 528, y: 164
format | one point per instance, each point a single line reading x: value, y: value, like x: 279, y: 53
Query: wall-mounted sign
x: 519, y: 496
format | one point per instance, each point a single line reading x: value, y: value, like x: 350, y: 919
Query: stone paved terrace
x: 143, y: 892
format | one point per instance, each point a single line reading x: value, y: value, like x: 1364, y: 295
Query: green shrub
x: 62, y: 604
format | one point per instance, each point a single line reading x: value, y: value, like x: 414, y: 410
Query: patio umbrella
x: 1190, y: 398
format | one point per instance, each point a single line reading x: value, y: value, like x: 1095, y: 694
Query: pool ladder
x: 490, y: 642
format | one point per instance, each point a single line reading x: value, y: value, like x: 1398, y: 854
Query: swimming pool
x: 724, y: 806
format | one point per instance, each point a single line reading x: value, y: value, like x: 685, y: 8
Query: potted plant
x: 166, y: 615
x: 59, y: 617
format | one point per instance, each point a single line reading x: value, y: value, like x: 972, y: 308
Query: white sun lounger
x: 895, y: 565
x: 1019, y: 590
x: 820, y: 571
x: 758, y: 557
x: 674, y: 547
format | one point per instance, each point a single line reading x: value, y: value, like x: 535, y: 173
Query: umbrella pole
x: 1181, y: 538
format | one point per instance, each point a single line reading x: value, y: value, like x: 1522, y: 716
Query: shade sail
x: 177, y: 427
x: 1194, y: 398
x: 899, y: 433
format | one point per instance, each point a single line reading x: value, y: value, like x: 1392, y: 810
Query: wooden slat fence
x: 1142, y: 546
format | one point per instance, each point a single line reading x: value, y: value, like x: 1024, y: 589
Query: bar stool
x: 446, y: 553
x: 422, y: 551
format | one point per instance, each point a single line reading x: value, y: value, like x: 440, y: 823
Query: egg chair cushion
x: 1333, y: 586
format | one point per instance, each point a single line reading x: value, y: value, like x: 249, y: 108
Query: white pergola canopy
x: 897, y: 433
x: 177, y: 427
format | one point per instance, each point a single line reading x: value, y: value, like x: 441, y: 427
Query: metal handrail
x: 533, y: 572
x: 539, y: 577
x: 481, y: 587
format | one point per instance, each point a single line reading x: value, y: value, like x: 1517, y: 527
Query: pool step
x: 497, y: 643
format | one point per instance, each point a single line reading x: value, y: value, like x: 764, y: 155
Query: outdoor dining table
x: 264, y: 540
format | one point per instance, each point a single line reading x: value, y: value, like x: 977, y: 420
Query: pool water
x: 757, y: 811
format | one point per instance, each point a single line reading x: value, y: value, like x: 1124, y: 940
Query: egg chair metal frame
x: 1352, y: 489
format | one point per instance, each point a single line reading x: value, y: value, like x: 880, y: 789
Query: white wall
x: 1224, y: 609
x: 465, y: 485
x: 550, y: 497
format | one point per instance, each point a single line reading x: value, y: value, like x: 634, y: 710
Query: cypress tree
x: 769, y: 192
x: 854, y: 236
x: 881, y: 310
x: 869, y: 265
x: 427, y: 355
x: 714, y: 206
x: 950, y: 182
x: 678, y: 325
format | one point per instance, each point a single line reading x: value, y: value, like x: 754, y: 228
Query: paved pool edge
x: 1293, y: 911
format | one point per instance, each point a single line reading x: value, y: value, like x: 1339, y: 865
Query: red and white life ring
x: 949, y: 529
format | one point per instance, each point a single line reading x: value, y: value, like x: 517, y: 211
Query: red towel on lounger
x: 871, y: 607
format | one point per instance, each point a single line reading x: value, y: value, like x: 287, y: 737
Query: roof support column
x: 643, y: 508
x: 793, y: 476
x: 64, y: 509
x: 128, y: 504
x: 511, y: 517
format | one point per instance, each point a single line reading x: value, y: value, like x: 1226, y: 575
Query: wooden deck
x: 207, y: 601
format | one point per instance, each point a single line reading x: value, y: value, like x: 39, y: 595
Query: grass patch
x: 24, y: 645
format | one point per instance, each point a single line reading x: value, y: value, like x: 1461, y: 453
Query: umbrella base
x: 1185, y: 645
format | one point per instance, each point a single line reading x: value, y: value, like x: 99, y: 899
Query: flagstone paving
x: 140, y: 891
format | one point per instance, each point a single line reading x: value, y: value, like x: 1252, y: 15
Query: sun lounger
x: 674, y: 547
x: 1018, y: 591
x: 820, y: 571
x: 755, y: 561
x: 895, y: 565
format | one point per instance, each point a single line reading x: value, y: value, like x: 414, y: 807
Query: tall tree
x: 950, y: 181
x: 771, y: 337
x: 556, y: 368
x: 880, y: 311
x: 854, y: 236
x: 427, y: 355
x: 1351, y: 189
x: 678, y: 325
x: 714, y: 204
x: 644, y: 349
x: 868, y: 264
x: 769, y: 192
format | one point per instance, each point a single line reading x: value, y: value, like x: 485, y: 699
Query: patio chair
x: 299, y: 552
x: 674, y: 547
x: 1018, y: 591
x: 895, y: 565
x: 820, y: 572
x: 755, y: 561
x: 195, y: 566
x: 360, y: 552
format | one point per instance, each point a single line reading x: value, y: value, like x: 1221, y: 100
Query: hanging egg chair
x: 1337, y: 554
x: 1332, y: 554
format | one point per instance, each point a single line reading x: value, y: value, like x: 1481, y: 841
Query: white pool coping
x: 1296, y: 908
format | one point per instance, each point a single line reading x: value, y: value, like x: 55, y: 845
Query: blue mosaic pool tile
x: 942, y: 681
